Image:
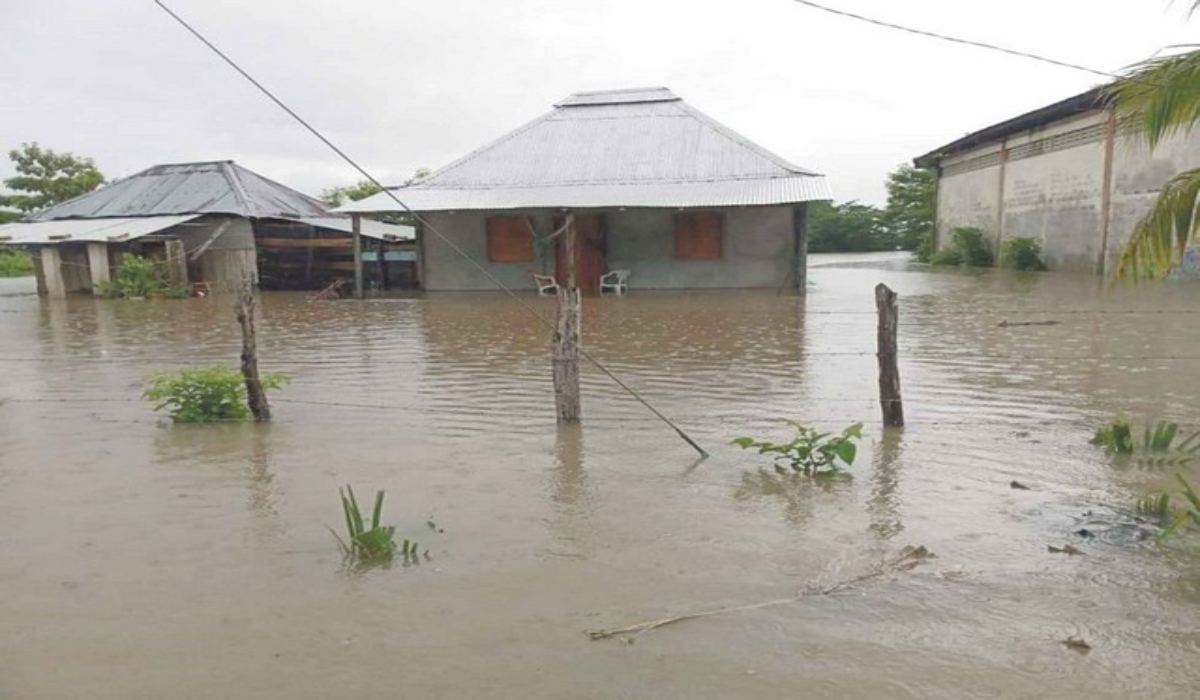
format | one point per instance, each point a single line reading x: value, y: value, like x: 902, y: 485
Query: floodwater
x: 139, y: 560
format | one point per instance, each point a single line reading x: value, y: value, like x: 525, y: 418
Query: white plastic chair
x: 546, y: 284
x: 616, y: 281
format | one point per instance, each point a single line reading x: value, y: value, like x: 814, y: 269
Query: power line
x: 433, y: 229
x: 956, y: 40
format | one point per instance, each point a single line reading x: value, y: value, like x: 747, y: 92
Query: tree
x: 337, y: 196
x: 849, y: 227
x: 45, y: 178
x: 1158, y: 98
x: 911, y: 202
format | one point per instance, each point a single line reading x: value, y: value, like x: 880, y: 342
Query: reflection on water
x: 883, y: 506
x: 199, y: 557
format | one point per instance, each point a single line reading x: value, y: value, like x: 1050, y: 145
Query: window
x: 509, y: 239
x: 698, y: 235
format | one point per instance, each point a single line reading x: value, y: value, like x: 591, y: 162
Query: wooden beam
x: 356, y: 225
x: 306, y: 242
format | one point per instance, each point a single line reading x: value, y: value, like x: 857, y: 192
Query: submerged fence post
x: 889, y: 372
x: 566, y: 337
x: 256, y: 397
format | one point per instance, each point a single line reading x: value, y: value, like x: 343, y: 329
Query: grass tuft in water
x: 1188, y: 515
x: 375, y: 544
x: 1118, y: 438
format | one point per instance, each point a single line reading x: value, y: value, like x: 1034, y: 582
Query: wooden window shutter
x: 698, y: 235
x: 509, y: 239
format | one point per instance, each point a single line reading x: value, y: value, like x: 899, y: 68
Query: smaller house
x: 213, y: 223
x: 656, y: 187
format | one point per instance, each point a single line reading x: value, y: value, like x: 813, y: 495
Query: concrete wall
x: 758, y: 250
x: 1050, y: 184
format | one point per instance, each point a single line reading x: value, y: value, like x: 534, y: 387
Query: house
x: 655, y: 186
x: 214, y: 223
x: 1064, y: 175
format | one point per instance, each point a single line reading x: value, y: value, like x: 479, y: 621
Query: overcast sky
x: 402, y: 84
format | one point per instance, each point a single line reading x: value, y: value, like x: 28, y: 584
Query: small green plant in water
x: 810, y: 453
x: 1187, y: 515
x: 375, y: 544
x: 205, y: 394
x: 1156, y: 507
x: 1157, y: 447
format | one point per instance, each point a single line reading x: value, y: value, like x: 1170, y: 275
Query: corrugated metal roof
x: 219, y: 187
x: 727, y: 193
x: 617, y: 97
x: 641, y: 148
x: 86, y: 230
x: 370, y: 229
x: 1092, y: 100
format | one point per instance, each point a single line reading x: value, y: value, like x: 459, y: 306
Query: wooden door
x: 589, y: 251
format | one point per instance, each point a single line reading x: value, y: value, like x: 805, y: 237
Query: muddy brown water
x: 139, y: 560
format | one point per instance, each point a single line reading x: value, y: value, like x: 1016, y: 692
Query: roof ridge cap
x: 229, y: 170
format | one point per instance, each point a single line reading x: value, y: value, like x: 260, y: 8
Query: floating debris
x: 1067, y: 549
x: 1018, y: 485
x: 1076, y: 644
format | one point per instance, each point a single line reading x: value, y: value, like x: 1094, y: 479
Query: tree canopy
x: 911, y: 203
x: 337, y: 196
x: 45, y: 178
x: 851, y: 227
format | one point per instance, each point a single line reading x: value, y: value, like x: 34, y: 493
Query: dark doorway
x: 589, y: 251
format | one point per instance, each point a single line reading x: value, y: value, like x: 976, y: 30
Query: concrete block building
x: 1065, y: 175
x: 656, y: 188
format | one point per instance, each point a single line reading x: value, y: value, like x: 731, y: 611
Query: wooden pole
x: 889, y: 372
x: 800, y: 223
x: 356, y: 233
x: 256, y: 397
x: 566, y: 337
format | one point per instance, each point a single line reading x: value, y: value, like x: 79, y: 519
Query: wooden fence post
x: 566, y: 337
x: 356, y: 234
x: 889, y: 372
x: 256, y: 397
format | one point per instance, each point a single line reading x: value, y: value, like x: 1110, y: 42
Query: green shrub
x: 809, y: 453
x: 205, y: 394
x: 141, y: 277
x: 968, y: 246
x: 923, y: 253
x: 15, y: 262
x: 1022, y: 254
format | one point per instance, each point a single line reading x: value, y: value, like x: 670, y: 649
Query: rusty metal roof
x: 218, y: 187
x: 638, y: 148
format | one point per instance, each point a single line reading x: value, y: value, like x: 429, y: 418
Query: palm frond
x: 1161, y: 96
x: 1160, y: 239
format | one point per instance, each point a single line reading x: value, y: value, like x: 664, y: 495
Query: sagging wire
x: 427, y: 226
x: 956, y: 40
